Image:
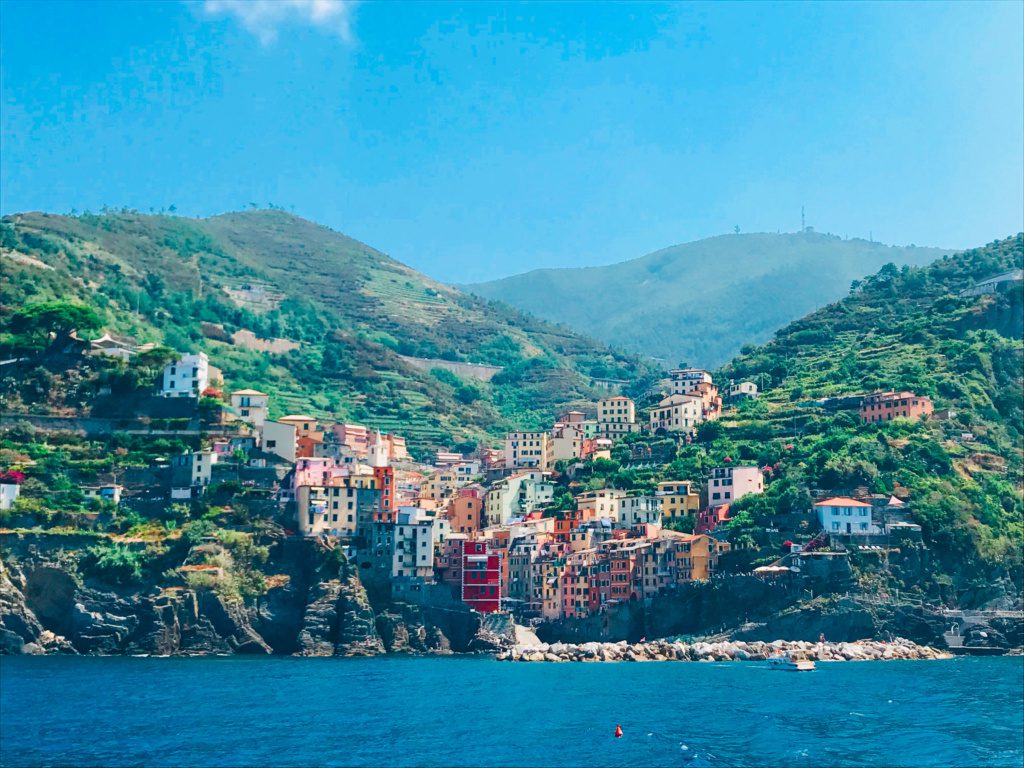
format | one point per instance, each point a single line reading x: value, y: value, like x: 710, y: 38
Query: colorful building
x: 678, y: 499
x: 729, y: 484
x: 886, y: 406
x: 481, y: 576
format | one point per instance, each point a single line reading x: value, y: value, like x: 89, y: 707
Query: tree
x: 58, y: 317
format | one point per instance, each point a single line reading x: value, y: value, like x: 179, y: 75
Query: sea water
x: 471, y: 711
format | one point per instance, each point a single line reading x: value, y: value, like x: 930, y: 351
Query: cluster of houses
x: 489, y: 526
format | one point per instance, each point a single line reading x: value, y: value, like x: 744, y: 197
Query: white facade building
x: 639, y: 510
x: 677, y: 413
x: 186, y: 377
x: 250, y: 406
x: 727, y: 484
x: 279, y: 439
x: 684, y: 381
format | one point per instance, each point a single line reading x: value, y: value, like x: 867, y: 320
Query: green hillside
x: 353, y: 311
x: 700, y: 302
x: 903, y: 329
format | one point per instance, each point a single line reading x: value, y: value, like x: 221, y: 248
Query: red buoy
x: 618, y: 731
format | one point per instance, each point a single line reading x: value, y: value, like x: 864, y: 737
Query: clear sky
x: 482, y: 139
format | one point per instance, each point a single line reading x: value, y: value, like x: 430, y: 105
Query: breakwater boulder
x: 728, y: 650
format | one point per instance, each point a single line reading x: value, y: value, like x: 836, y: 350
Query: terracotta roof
x: 841, y: 501
x: 249, y: 392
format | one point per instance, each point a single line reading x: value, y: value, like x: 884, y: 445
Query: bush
x: 115, y: 563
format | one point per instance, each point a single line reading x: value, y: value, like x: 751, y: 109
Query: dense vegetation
x: 353, y: 312
x: 698, y: 303
x: 900, y: 329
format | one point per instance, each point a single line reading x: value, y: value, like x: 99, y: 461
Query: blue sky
x: 483, y: 139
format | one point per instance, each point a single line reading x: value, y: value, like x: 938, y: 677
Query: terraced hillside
x: 191, y: 283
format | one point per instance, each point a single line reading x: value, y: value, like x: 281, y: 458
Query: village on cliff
x: 492, y: 527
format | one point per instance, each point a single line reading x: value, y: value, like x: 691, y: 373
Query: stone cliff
x: 315, y: 605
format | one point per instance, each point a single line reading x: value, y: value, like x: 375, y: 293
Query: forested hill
x: 699, y: 303
x: 905, y: 329
x: 352, y: 311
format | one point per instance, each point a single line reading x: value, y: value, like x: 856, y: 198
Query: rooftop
x: 841, y: 501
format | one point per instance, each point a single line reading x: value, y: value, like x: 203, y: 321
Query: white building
x: 677, y: 413
x: 566, y: 442
x: 280, y: 439
x: 727, y: 484
x: 250, y: 405
x: 639, y: 510
x: 416, y: 534
x: 186, y: 377
x: 191, y: 473
x: 685, y: 381
x: 603, y: 501
x: 8, y: 494
x: 517, y: 495
x: 744, y: 390
x: 845, y: 516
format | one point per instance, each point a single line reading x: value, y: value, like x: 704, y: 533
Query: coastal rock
x: 864, y: 650
x: 20, y: 630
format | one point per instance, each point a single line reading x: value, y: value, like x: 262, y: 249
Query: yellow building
x: 529, y: 450
x: 697, y: 555
x: 678, y: 500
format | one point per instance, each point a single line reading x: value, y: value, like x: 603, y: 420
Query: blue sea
x: 68, y: 711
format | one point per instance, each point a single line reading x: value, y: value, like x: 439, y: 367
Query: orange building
x: 466, y: 510
x: 886, y: 406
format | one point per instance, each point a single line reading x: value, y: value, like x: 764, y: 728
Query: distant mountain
x: 356, y: 315
x: 700, y: 303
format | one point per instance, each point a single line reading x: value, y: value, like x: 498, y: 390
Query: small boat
x: 788, y: 663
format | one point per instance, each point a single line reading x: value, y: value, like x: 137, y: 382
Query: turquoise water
x: 475, y: 711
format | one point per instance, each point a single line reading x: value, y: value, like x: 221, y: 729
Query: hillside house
x: 886, y: 406
x: 678, y: 499
x: 529, y: 450
x: 685, y: 381
x: 616, y: 417
x: 638, y: 510
x: 466, y: 510
x: 729, y: 484
x: 280, y: 439
x: 845, y: 516
x: 677, y: 413
x: 744, y: 390
x: 250, y: 405
x: 188, y: 376
x: 481, y: 576
x: 9, y: 492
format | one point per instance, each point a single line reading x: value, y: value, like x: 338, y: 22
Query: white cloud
x: 265, y: 17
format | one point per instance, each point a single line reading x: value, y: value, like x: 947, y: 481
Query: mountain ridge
x: 678, y: 304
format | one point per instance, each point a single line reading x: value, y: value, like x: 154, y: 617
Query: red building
x: 481, y: 576
x: 709, y: 519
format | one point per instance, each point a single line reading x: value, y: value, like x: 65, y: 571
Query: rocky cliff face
x: 315, y: 607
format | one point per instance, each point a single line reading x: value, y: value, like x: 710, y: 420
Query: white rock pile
x: 731, y: 650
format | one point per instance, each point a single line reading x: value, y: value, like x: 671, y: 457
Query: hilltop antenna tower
x: 803, y: 221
